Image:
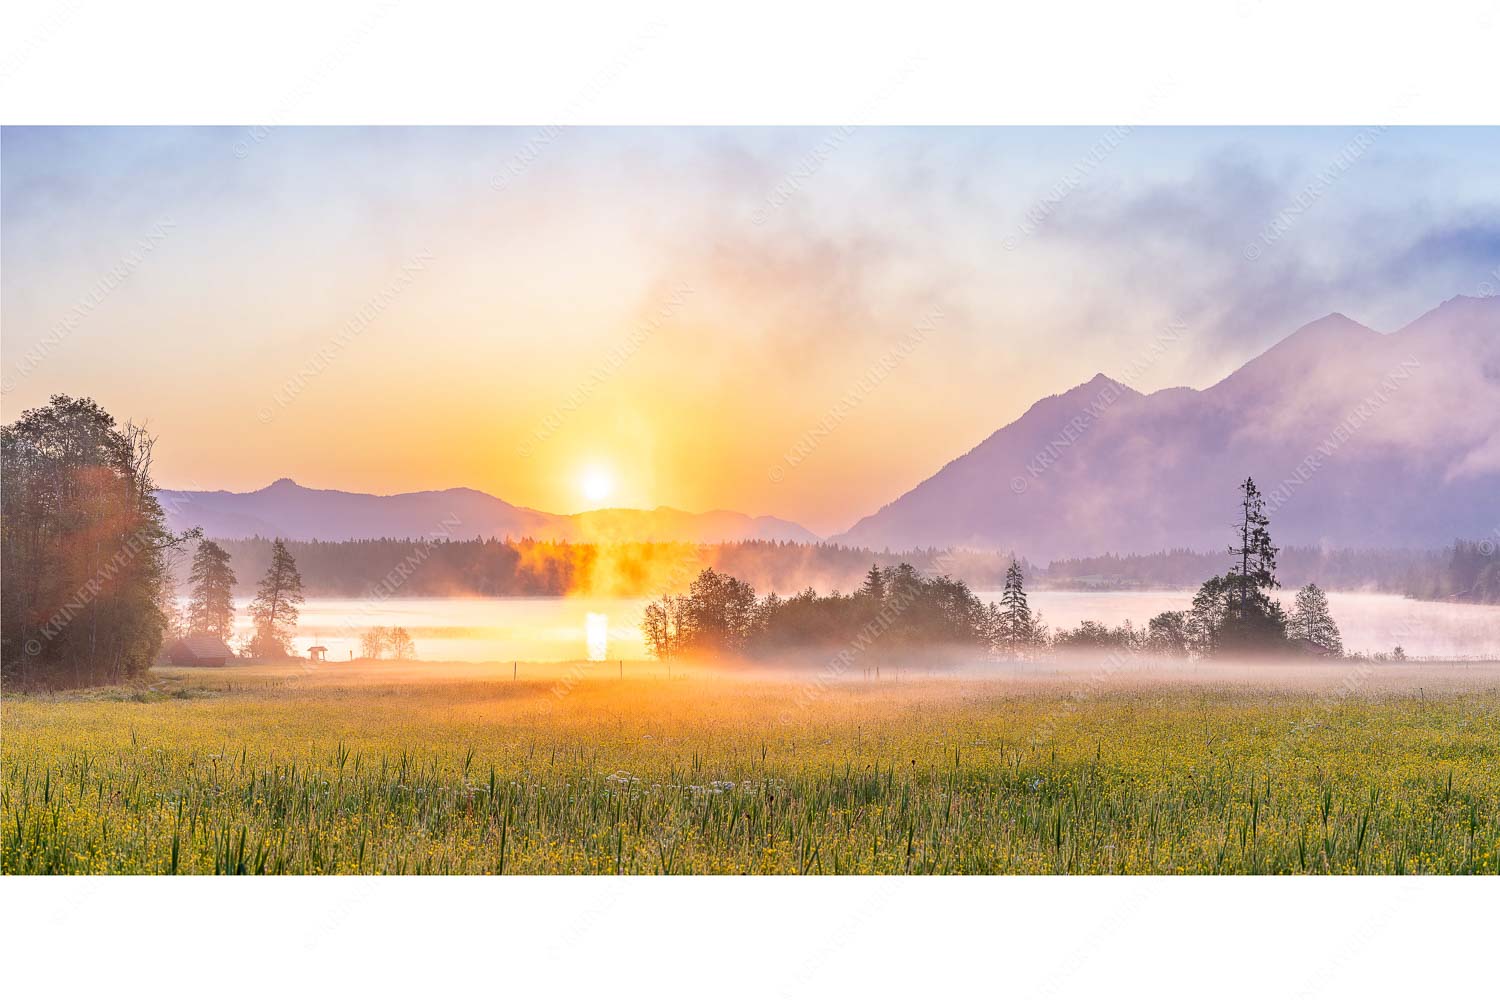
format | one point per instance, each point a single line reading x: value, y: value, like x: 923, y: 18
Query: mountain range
x: 288, y: 510
x: 1357, y: 438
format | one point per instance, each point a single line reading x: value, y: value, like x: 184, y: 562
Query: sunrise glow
x: 596, y: 484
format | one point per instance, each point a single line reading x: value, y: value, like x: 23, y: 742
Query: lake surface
x: 537, y: 629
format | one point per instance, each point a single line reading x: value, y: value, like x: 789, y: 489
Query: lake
x: 537, y: 629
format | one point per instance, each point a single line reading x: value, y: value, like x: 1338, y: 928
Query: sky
x: 799, y: 322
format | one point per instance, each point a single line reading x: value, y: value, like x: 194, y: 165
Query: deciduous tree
x: 1312, y: 621
x: 82, y: 547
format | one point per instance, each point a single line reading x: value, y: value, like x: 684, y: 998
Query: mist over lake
x: 537, y: 629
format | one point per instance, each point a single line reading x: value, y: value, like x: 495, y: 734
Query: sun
x: 596, y: 485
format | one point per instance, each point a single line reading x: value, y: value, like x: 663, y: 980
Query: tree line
x: 1387, y: 571
x: 528, y: 567
x: 899, y: 610
x: 1470, y: 573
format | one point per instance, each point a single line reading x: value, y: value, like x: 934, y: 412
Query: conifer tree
x: 1252, y: 621
x: 1017, y: 626
x: 274, y: 610
x: 211, y: 606
x: 1256, y: 554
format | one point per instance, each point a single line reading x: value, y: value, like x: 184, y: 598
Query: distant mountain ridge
x: 286, y: 509
x: 1358, y: 438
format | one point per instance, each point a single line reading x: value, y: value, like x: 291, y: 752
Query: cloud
x: 1244, y: 253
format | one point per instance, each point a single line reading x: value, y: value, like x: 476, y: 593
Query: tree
x: 1016, y: 627
x: 274, y: 612
x: 938, y: 615
x: 1205, y: 621
x: 1097, y: 635
x: 1252, y: 622
x: 664, y: 624
x: 173, y: 620
x: 1169, y: 634
x: 402, y: 648
x: 373, y: 642
x: 211, y: 606
x: 656, y: 626
x: 1257, y: 556
x: 1312, y: 622
x: 720, y: 611
x: 83, y: 542
x: 873, y: 589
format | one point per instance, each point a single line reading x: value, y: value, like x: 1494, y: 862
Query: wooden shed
x: 199, y: 651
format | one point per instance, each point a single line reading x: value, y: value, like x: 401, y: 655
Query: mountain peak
x: 1097, y: 386
x: 283, y: 484
x: 1480, y: 312
x: 1323, y: 341
x: 1320, y: 414
x: 1333, y: 324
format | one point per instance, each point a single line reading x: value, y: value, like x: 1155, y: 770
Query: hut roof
x: 203, y: 647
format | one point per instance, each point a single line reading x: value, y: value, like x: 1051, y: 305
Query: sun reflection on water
x: 596, y: 632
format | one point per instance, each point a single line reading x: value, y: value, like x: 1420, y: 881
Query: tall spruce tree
x: 1256, y: 569
x: 1254, y: 622
x: 275, y: 608
x: 1017, y: 625
x: 211, y: 606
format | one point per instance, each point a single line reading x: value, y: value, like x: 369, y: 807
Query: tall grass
x: 699, y: 776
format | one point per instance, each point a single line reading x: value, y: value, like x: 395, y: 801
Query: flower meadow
x: 594, y: 770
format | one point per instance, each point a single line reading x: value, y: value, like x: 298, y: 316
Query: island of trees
x: 899, y: 610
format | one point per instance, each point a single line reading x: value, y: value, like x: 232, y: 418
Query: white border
x: 775, y: 62
x: 1244, y: 62
x: 751, y: 937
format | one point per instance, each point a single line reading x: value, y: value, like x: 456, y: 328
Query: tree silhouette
x: 1256, y: 554
x: 1252, y: 621
x: 722, y: 609
x: 720, y: 614
x: 1312, y: 622
x: 663, y: 623
x: 402, y: 648
x: 1169, y: 634
x: 211, y: 606
x: 1015, y: 625
x: 274, y: 611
